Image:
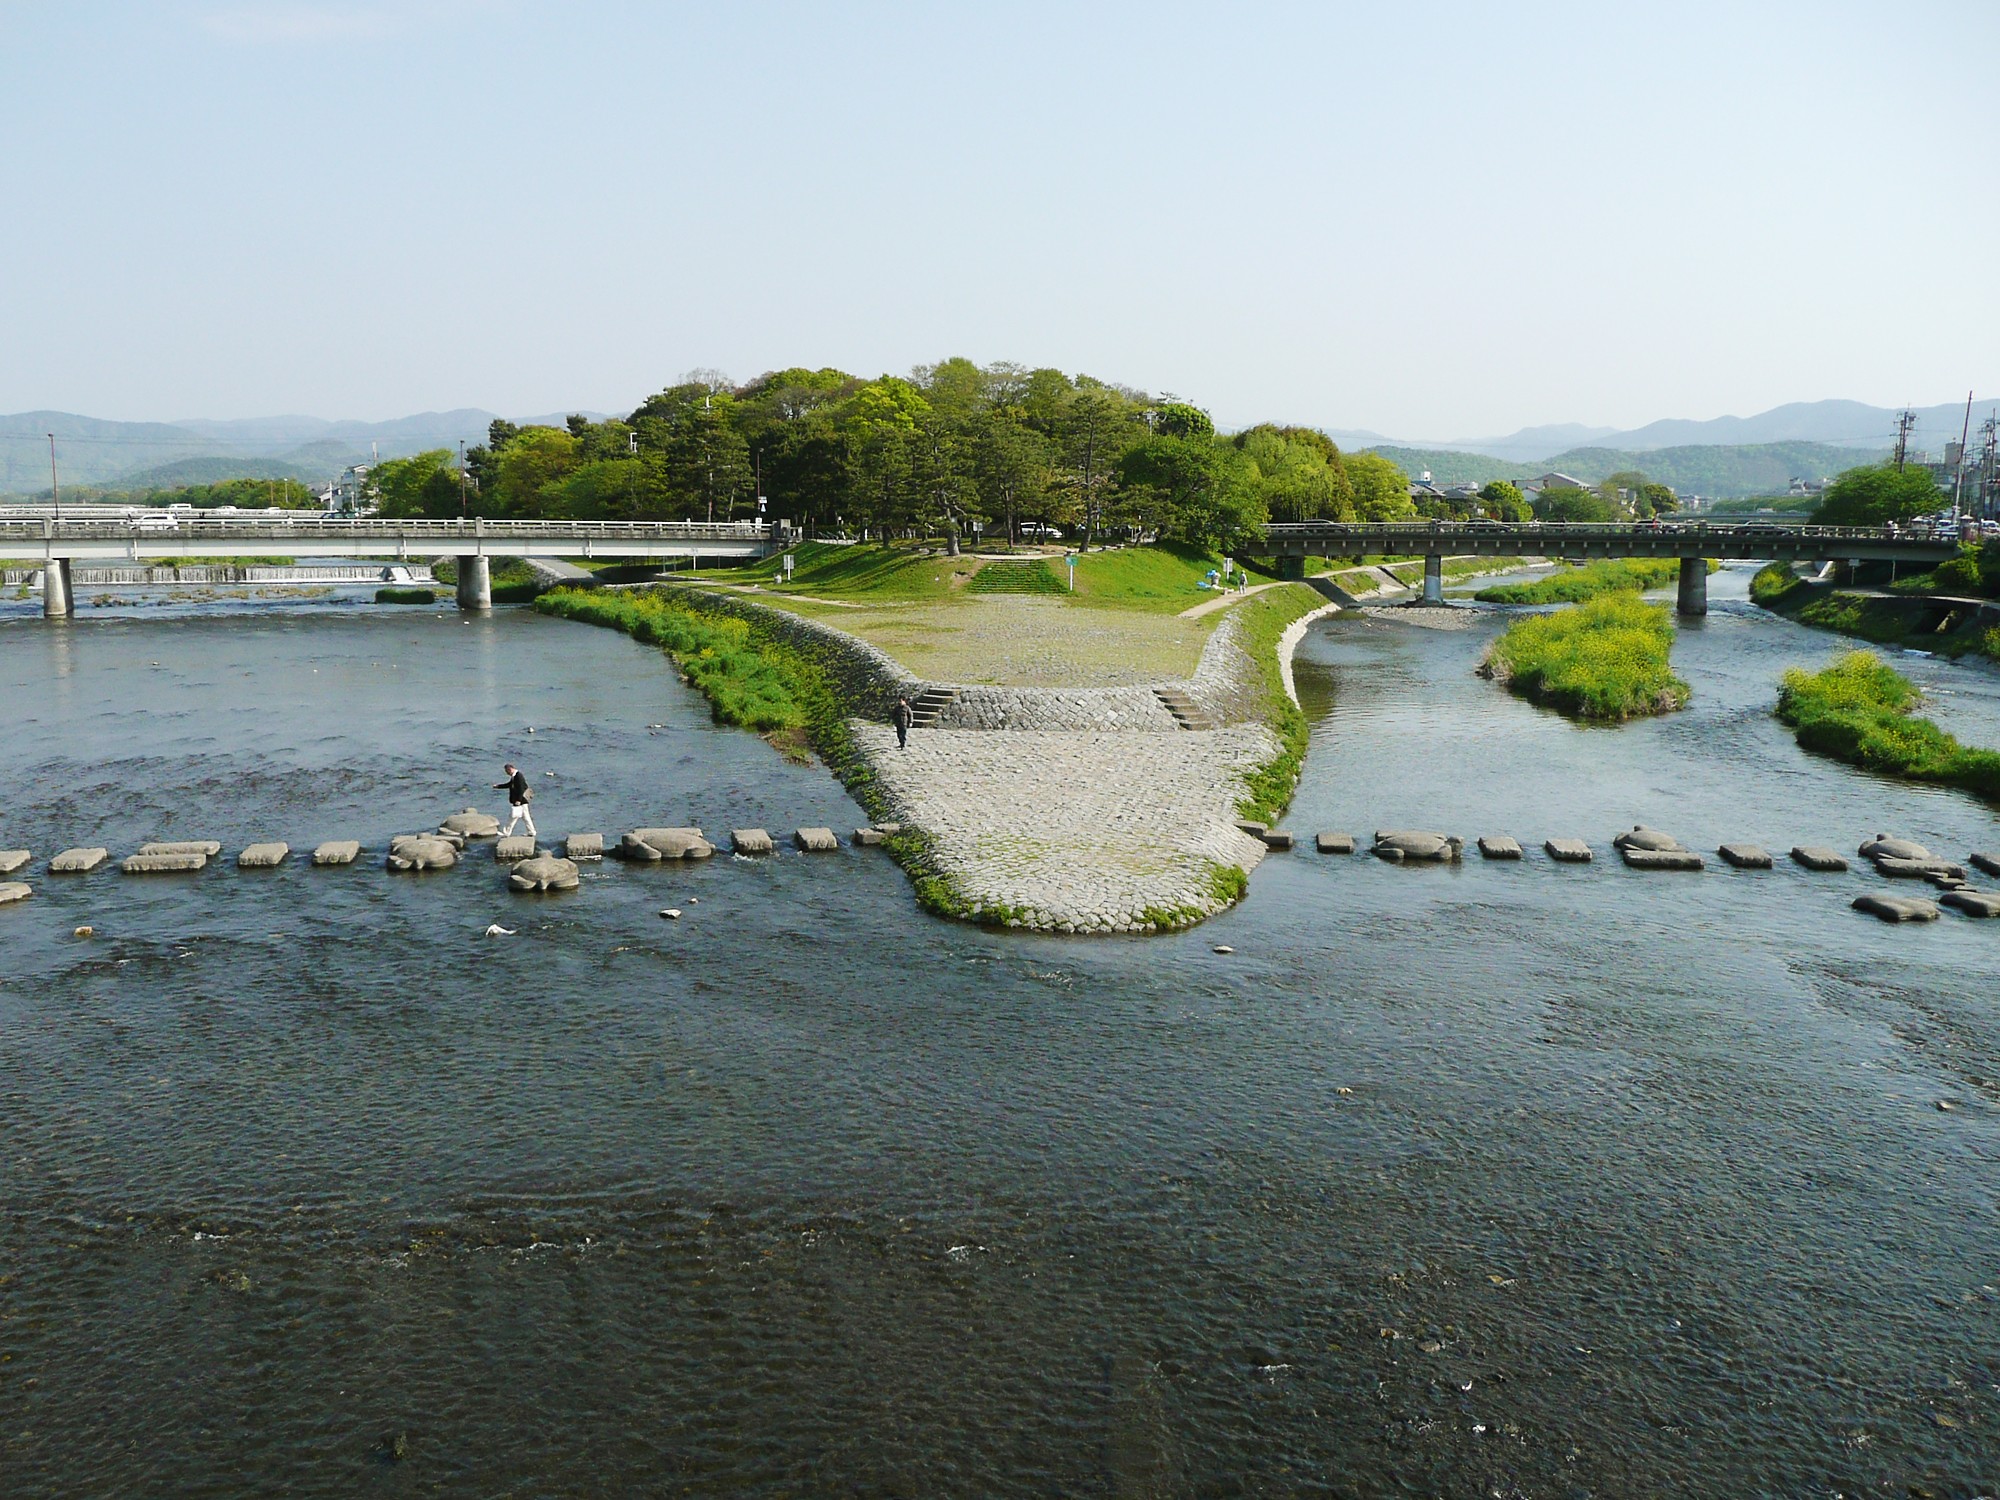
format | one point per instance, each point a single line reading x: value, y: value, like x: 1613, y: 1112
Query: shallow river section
x: 1516, y: 1179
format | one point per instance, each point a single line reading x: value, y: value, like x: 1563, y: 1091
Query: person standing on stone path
x: 904, y: 718
x: 519, y: 795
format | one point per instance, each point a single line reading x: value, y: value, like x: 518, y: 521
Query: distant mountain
x: 1533, y: 445
x: 1847, y: 423
x: 187, y: 471
x: 88, y: 450
x: 1718, y: 469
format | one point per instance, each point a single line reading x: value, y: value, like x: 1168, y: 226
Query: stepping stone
x: 1276, y: 840
x: 337, y: 852
x: 1254, y: 829
x: 544, y: 872
x: 78, y: 861
x: 1567, y: 851
x: 750, y: 841
x: 206, y: 848
x: 1499, y: 846
x: 263, y: 856
x: 1990, y: 863
x: 471, y: 824
x: 12, y: 860
x: 1420, y: 846
x: 1945, y: 882
x: 584, y: 846
x: 165, y: 864
x: 649, y: 844
x: 1897, y: 908
x: 514, y: 848
x: 1745, y: 856
x: 1642, y: 837
x: 12, y: 891
x: 1972, y: 903
x: 1661, y: 859
x: 417, y: 851
x: 816, y: 840
x: 1884, y: 847
x: 1334, y: 843
x: 868, y: 838
x: 1818, y: 857
x: 1917, y: 869
x: 891, y: 829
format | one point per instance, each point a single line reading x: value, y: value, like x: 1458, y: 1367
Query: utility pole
x: 461, y: 479
x: 1905, y: 420
x: 1958, y: 475
x: 55, y: 490
x: 1990, y: 466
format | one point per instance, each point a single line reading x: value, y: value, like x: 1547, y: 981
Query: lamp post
x: 55, y: 491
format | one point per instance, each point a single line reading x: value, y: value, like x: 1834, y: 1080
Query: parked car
x: 1036, y: 532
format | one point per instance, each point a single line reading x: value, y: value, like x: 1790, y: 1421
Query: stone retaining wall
x: 868, y: 678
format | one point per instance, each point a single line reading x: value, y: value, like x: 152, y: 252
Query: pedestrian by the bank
x: 904, y: 718
x: 519, y: 795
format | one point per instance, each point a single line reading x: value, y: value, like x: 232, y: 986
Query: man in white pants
x: 516, y: 788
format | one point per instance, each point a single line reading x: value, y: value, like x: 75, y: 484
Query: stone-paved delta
x: 1060, y: 809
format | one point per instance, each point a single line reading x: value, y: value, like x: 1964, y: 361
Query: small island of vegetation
x: 1604, y: 661
x: 1574, y: 585
x: 1861, y: 711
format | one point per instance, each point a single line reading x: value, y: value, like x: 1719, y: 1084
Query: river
x: 1502, y: 1179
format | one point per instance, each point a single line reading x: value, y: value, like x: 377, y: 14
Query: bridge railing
x: 374, y: 528
x: 1587, y: 531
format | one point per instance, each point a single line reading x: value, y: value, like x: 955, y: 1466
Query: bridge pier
x: 1433, y: 578
x: 475, y: 582
x: 1694, y: 587
x: 58, y: 595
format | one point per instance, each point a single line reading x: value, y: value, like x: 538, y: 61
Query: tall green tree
x: 1877, y: 494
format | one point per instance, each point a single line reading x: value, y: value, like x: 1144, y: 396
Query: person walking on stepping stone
x: 903, y: 719
x: 519, y: 794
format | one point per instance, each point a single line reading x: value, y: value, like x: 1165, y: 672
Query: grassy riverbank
x: 1604, y: 661
x: 1861, y: 711
x: 1591, y: 581
x: 1886, y: 620
x: 1260, y: 621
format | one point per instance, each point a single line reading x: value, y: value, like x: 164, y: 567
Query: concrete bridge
x: 473, y: 543
x: 1693, y: 542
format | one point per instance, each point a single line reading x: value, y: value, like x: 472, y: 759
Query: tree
x: 1503, y: 501
x: 1013, y: 464
x: 1656, y: 500
x: 1877, y: 494
x: 1294, y: 479
x: 1559, y: 503
x: 536, y: 458
x: 1381, y: 489
x: 425, y: 484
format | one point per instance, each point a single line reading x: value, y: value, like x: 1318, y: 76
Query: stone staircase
x: 1183, y: 708
x: 928, y: 704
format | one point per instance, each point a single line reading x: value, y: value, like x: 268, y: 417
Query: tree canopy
x: 1877, y: 494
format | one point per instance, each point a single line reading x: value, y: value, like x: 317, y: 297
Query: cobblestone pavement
x: 1079, y: 830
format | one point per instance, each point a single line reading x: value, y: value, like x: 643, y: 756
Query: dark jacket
x: 903, y: 715
x: 517, y: 789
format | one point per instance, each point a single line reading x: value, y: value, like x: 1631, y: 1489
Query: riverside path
x: 58, y: 543
x: 1691, y: 541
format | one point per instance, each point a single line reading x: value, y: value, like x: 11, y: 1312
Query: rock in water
x: 1276, y: 840
x: 1499, y: 846
x: 509, y: 850
x: 1897, y: 908
x: 263, y: 856
x: 165, y: 864
x: 815, y: 840
x: 1420, y: 846
x: 664, y: 843
x: 750, y: 841
x: 1334, y: 843
x: 78, y: 861
x: 868, y: 838
x: 1917, y: 869
x: 584, y: 846
x: 1745, y: 856
x: 471, y: 824
x: 12, y: 860
x: 1990, y: 863
x: 421, y: 852
x: 1567, y: 851
x: 206, y: 848
x: 1884, y: 847
x: 1818, y: 857
x: 1661, y: 859
x: 337, y: 852
x: 14, y: 890
x: 544, y: 872
x: 1972, y: 903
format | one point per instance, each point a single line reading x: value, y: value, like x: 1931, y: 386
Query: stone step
x: 1185, y: 712
x: 928, y: 705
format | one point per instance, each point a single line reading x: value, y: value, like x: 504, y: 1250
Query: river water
x: 1502, y: 1179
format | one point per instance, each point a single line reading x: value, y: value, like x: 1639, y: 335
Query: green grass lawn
x: 1605, y: 660
x: 1863, y: 712
x: 1161, y: 579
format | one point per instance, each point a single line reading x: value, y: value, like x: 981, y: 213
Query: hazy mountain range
x: 1725, y: 456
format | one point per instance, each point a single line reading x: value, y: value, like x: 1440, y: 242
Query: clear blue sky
x: 1435, y: 220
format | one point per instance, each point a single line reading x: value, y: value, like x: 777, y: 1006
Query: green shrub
x: 1260, y: 621
x: 1862, y: 711
x: 1035, y: 577
x: 1574, y: 585
x: 1605, y: 660
x: 406, y: 596
x: 1775, y: 582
